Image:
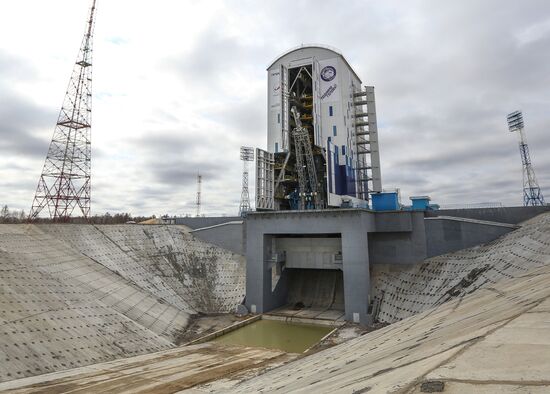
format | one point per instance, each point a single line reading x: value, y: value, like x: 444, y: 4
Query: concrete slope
x: 494, y: 340
x: 188, y: 273
x: 77, y: 295
x: 169, y: 371
x: 402, y: 291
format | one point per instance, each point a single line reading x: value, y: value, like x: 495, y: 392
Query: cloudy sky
x: 180, y: 85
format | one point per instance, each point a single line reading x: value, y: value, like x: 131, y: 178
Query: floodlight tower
x: 65, y: 180
x: 532, y: 194
x: 247, y: 154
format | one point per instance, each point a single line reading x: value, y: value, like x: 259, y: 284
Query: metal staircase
x: 366, y: 140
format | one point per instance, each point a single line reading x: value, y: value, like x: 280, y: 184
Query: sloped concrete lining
x: 404, y: 291
x: 401, y: 291
x: 74, y: 295
x: 189, y: 273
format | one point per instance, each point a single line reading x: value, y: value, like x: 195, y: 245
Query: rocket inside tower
x: 294, y: 190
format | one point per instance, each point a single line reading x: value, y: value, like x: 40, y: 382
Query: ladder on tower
x: 366, y: 142
x: 305, y: 166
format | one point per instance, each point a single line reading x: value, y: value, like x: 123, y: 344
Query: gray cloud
x: 446, y: 74
x: 175, y: 158
x: 216, y: 57
x: 20, y: 118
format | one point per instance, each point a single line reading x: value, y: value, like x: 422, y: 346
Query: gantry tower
x: 65, y: 180
x: 532, y: 194
x: 247, y: 154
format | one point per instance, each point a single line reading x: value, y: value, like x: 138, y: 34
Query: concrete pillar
x: 257, y: 280
x: 355, y: 264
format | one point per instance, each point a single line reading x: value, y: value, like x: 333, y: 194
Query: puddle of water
x: 275, y: 334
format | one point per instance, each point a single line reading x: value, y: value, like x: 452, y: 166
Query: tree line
x: 8, y: 215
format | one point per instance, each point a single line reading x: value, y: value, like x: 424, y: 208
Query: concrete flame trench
x: 89, y: 308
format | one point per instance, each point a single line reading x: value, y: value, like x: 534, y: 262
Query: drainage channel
x: 266, y: 332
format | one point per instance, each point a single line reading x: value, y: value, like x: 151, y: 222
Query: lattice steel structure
x: 65, y: 180
x: 247, y: 154
x: 198, y: 201
x: 532, y: 194
x: 309, y: 198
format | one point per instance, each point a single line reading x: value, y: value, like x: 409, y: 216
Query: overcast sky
x: 180, y: 85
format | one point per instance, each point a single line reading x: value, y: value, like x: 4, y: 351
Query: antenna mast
x: 65, y: 180
x: 198, y: 202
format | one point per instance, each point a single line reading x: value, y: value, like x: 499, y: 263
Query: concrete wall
x: 352, y: 225
x: 228, y: 235
x: 195, y: 223
x: 311, y: 253
x: 399, y: 239
x: 448, y: 234
x: 511, y: 215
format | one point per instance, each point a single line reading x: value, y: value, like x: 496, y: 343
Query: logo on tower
x: 328, y: 73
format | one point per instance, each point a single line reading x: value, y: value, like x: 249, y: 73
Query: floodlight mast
x: 247, y: 154
x: 532, y: 194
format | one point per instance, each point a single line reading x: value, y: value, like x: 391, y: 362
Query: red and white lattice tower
x: 65, y: 180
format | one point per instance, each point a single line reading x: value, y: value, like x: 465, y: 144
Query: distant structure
x: 532, y: 194
x: 247, y: 154
x: 322, y: 135
x: 198, y: 202
x: 65, y: 180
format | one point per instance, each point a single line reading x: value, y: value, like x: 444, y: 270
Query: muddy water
x: 274, y: 334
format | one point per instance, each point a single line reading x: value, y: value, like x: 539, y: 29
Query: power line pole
x: 65, y: 180
x: 247, y: 154
x: 532, y: 194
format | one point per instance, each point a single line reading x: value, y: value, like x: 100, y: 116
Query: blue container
x: 385, y: 201
x: 420, y: 203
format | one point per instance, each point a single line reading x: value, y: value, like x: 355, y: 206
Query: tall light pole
x: 532, y: 194
x: 247, y: 154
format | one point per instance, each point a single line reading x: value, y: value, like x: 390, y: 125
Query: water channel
x: 275, y: 334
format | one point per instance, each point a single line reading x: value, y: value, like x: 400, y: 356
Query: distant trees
x: 16, y: 216
x: 117, y: 218
x: 13, y: 216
